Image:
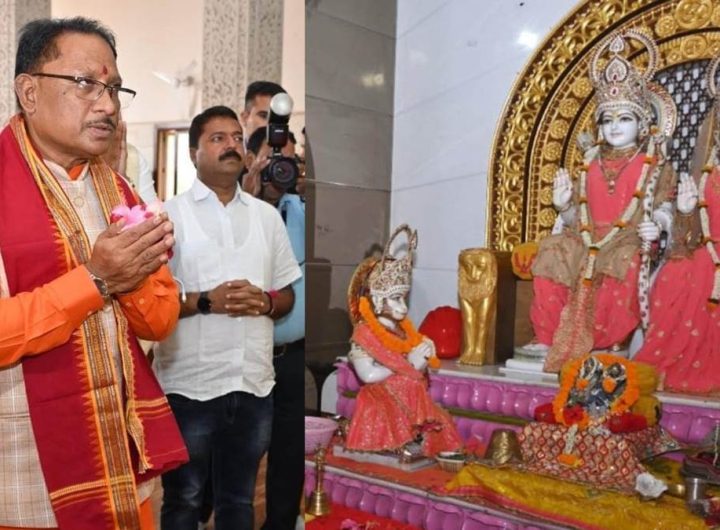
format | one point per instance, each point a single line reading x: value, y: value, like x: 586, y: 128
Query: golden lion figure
x: 477, y: 291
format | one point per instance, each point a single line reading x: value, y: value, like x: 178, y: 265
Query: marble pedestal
x: 386, y: 459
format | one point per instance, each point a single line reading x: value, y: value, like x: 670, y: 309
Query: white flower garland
x: 630, y: 210
x: 705, y: 225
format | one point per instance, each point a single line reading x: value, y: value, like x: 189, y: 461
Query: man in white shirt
x: 235, y: 262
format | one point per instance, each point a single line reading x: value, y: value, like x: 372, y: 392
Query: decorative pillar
x: 14, y: 14
x: 242, y: 43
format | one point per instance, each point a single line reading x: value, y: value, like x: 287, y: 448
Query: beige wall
x: 293, y: 59
x: 163, y: 35
x: 166, y: 36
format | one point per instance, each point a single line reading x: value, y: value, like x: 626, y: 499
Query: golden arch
x: 551, y: 102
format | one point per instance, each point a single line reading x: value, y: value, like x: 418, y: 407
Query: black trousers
x: 286, y: 456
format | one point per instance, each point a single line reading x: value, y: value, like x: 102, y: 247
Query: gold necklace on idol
x: 611, y: 176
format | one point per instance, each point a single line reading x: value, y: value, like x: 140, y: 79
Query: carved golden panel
x: 665, y: 26
x: 551, y: 103
x: 691, y: 14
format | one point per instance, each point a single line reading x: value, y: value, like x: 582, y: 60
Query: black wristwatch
x: 204, y: 305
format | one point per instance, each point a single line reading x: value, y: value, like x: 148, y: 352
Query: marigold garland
x: 586, y: 224
x: 387, y: 338
x: 568, y: 380
x: 707, y: 239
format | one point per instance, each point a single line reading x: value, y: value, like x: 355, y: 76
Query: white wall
x: 456, y: 61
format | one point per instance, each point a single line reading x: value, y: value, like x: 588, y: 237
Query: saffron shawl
x: 94, y: 444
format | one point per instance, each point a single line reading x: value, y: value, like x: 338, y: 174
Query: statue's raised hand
x: 687, y: 196
x: 648, y: 231
x: 562, y: 189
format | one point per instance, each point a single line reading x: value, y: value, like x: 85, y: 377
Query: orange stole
x: 88, y: 465
x: 147, y: 519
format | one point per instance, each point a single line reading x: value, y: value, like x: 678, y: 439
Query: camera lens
x: 282, y: 172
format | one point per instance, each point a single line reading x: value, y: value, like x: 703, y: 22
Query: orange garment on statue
x: 147, y: 519
x: 616, y: 311
x: 38, y: 321
x: 391, y: 413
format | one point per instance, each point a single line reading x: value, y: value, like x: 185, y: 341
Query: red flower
x: 544, y: 413
x: 574, y: 414
x: 626, y: 422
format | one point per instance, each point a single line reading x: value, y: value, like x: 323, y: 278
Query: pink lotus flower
x: 135, y: 215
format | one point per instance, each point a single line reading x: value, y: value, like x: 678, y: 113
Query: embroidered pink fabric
x: 616, y: 311
x: 683, y: 339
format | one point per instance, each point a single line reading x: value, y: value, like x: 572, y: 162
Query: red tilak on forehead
x: 105, y: 70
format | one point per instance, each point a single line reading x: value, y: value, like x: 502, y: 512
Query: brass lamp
x: 318, y: 503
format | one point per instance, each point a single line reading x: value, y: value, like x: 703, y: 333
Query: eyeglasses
x: 91, y: 89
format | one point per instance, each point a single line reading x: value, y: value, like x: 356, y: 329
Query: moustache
x: 102, y: 121
x: 230, y: 154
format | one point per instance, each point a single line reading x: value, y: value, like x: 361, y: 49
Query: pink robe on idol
x: 561, y: 257
x: 683, y: 339
x: 391, y: 413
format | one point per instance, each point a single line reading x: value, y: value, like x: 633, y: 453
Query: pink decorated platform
x: 411, y: 498
x: 482, y: 399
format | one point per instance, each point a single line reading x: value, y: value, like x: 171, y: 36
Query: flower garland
x: 577, y: 415
x: 714, y: 299
x: 628, y: 214
x: 388, y: 339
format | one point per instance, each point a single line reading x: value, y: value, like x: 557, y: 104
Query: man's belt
x: 289, y: 347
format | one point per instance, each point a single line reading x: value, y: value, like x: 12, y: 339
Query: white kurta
x: 208, y: 356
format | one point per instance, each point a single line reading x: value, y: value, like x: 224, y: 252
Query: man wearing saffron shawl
x: 84, y: 424
x: 394, y: 406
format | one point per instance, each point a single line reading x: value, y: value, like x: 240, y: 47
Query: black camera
x: 282, y: 171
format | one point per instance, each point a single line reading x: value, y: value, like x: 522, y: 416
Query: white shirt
x: 208, y: 356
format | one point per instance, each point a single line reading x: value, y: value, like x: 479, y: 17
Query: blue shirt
x: 291, y: 327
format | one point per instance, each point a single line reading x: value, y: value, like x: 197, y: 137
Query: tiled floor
x: 259, y: 499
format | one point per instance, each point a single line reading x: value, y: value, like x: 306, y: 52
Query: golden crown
x: 393, y: 275
x: 618, y: 84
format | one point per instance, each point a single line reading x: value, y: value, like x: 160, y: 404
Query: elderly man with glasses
x: 83, y: 422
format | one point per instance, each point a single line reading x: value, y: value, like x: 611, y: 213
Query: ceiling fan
x: 187, y: 83
x: 185, y: 76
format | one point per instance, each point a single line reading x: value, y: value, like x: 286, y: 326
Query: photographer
x: 257, y: 106
x: 285, y: 473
